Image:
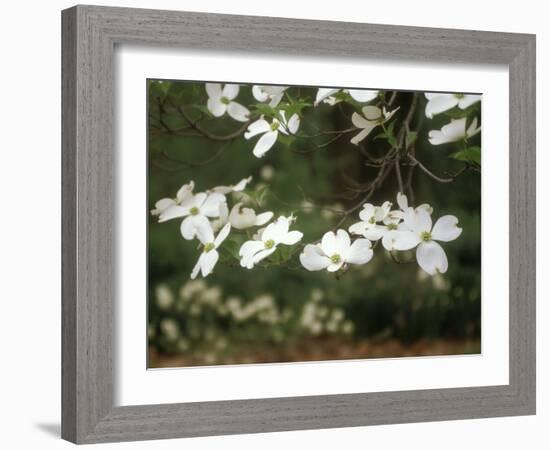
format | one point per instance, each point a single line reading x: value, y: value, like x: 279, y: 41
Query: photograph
x: 290, y: 224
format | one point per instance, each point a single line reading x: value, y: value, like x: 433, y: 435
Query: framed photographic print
x: 266, y: 234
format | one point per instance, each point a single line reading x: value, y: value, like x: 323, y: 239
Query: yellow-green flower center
x: 275, y: 125
x: 208, y: 247
x: 336, y: 258
x: 426, y: 236
x: 194, y: 210
x: 372, y: 220
x: 225, y: 100
x: 392, y: 226
x: 269, y: 243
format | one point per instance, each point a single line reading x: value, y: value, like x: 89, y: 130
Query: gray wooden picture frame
x: 90, y: 34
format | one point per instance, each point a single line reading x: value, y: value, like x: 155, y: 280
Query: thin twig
x: 429, y: 172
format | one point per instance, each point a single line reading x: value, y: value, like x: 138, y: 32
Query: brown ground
x: 320, y: 349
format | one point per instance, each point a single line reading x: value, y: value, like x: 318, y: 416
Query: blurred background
x: 234, y: 316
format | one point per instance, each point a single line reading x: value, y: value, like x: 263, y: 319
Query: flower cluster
x: 206, y: 213
x: 221, y: 99
x: 456, y: 129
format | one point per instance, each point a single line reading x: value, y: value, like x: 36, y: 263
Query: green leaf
x: 231, y: 248
x: 266, y: 110
x: 470, y: 155
x: 294, y: 108
x: 411, y: 138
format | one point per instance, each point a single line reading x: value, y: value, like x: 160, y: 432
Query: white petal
x: 440, y: 103
x: 381, y: 212
x: 363, y: 95
x: 455, y: 130
x: 208, y: 261
x: 262, y: 254
x: 388, y: 240
x: 277, y: 230
x: 358, y: 228
x: 257, y: 127
x: 173, y: 212
x: 343, y: 243
x: 445, y: 229
x: 214, y: 90
x: 431, y: 258
x: 374, y: 233
x: 222, y: 235
x: 224, y: 213
x: 247, y: 252
x: 263, y: 218
x: 230, y: 91
x: 242, y: 218
x: 249, y: 248
x: 216, y: 107
x: 389, y: 114
x: 312, y: 258
x: 422, y: 221
x: 293, y: 123
x: 329, y: 244
x: 360, y: 252
x: 402, y: 201
x: 205, y: 234
x: 426, y: 207
x: 161, y: 205
x: 468, y: 100
x: 472, y: 129
x: 334, y: 267
x: 238, y: 111
x: 265, y: 143
x: 436, y: 137
x: 323, y: 93
x: 361, y: 136
x: 276, y: 99
x: 405, y: 240
x: 359, y: 121
x: 241, y: 185
x: 185, y: 191
x: 197, y: 267
x: 191, y: 225
x: 211, y: 205
x: 259, y: 94
x: 292, y: 237
x: 367, y: 213
x: 372, y: 112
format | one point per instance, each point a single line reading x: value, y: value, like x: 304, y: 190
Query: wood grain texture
x: 89, y: 36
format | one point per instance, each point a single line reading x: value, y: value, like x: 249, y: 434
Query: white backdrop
x: 30, y: 225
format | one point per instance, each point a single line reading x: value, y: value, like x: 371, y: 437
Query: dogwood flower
x: 196, y: 209
x: 221, y: 100
x: 209, y: 257
x: 272, y: 93
x: 164, y: 203
x: 240, y: 186
x: 369, y: 216
x: 454, y: 131
x: 270, y: 132
x: 359, y: 95
x: 429, y: 254
x: 336, y: 251
x: 371, y: 118
x: 403, y: 204
x: 241, y: 218
x: 438, y: 103
x: 276, y: 233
